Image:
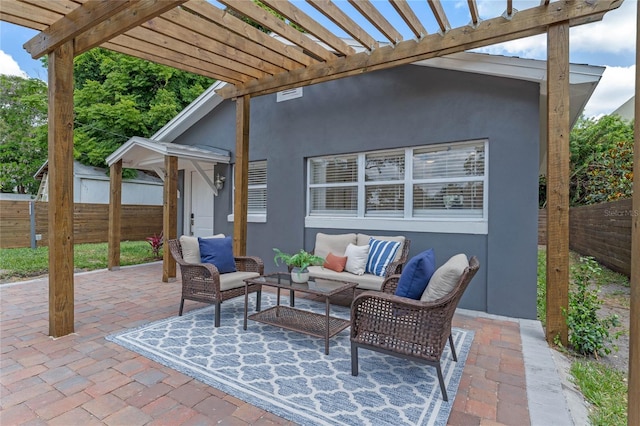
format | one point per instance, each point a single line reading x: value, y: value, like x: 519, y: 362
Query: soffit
x: 146, y: 154
x: 207, y: 39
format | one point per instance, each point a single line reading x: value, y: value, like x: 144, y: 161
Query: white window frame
x: 406, y: 223
x: 251, y: 217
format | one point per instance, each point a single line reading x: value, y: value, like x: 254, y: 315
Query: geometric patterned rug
x: 288, y: 374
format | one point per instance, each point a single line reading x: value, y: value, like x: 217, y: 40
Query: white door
x: 201, y: 205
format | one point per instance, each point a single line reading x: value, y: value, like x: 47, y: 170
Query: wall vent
x: 287, y: 95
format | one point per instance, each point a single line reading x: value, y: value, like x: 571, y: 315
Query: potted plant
x: 298, y: 263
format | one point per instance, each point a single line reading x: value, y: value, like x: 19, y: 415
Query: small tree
x: 589, y: 334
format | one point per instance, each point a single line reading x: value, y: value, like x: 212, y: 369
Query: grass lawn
x: 603, y: 386
x: 27, y: 262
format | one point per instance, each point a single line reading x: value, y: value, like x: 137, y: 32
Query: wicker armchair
x: 406, y: 328
x: 202, y: 282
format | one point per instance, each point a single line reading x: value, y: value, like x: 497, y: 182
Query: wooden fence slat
x: 91, y: 223
x: 599, y: 230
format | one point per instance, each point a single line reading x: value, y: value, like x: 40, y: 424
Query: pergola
x: 202, y: 38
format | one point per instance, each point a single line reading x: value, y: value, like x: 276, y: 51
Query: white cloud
x: 9, y: 66
x: 616, y: 33
x: 615, y: 88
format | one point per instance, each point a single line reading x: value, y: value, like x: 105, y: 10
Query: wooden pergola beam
x: 241, y: 176
x: 473, y: 10
x: 139, y: 12
x: 633, y: 395
x: 558, y: 128
x: 115, y: 215
x: 72, y: 24
x: 291, y: 12
x: 341, y: 19
x: 185, y: 57
x: 61, y: 297
x: 209, y: 38
x: 247, y: 38
x: 409, y: 17
x: 440, y: 15
x: 20, y: 10
x: 169, y: 214
x: 528, y: 22
x: 263, y: 17
x: 376, y: 18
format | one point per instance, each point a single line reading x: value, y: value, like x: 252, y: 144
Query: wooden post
x: 61, y: 297
x: 115, y: 210
x: 241, y: 200
x: 633, y: 395
x: 558, y: 123
x: 170, y: 214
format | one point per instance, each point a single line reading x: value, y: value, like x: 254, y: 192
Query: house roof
x: 84, y: 171
x: 627, y: 109
x: 147, y: 154
x: 583, y: 80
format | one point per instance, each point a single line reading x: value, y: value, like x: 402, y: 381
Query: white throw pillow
x: 191, y: 247
x: 445, y: 278
x: 356, y: 258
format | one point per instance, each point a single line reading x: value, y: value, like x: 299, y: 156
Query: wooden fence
x: 600, y: 230
x: 91, y: 223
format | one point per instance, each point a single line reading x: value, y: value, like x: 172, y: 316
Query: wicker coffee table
x: 291, y: 318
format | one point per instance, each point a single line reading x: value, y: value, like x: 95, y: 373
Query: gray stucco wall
x: 406, y: 106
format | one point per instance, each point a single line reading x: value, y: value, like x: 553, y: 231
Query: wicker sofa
x: 337, y: 244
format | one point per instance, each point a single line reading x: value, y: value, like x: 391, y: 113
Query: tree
x: 601, y: 161
x: 117, y: 97
x: 593, y: 144
x: 23, y: 132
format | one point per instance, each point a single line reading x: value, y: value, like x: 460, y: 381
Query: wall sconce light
x: 219, y: 182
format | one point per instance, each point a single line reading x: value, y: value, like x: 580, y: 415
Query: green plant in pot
x: 298, y: 262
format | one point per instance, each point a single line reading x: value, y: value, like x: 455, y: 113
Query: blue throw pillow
x: 416, y: 275
x: 381, y: 253
x: 219, y: 252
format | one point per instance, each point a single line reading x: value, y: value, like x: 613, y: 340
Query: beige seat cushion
x: 366, y: 281
x: 235, y: 279
x: 445, y: 278
x: 336, y: 244
x: 363, y: 239
x: 191, y: 248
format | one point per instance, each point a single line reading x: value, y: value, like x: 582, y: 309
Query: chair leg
x: 258, y: 300
x: 181, y: 307
x: 441, y: 380
x: 354, y: 359
x: 217, y: 315
x: 453, y: 349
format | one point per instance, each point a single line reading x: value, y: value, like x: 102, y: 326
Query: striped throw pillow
x: 381, y: 253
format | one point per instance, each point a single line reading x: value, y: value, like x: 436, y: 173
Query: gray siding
x: 407, y: 106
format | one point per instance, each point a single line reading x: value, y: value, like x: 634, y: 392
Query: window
x: 257, y: 193
x: 257, y: 188
x: 441, y: 187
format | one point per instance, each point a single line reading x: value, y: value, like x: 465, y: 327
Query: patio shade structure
x: 199, y: 37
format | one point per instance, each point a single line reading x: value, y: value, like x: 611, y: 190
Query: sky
x: 610, y: 43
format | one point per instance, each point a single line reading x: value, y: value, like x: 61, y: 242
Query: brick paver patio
x: 83, y: 379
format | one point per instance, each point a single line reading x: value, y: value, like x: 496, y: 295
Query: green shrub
x: 589, y: 334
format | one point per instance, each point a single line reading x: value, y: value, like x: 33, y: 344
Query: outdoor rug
x: 288, y: 374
